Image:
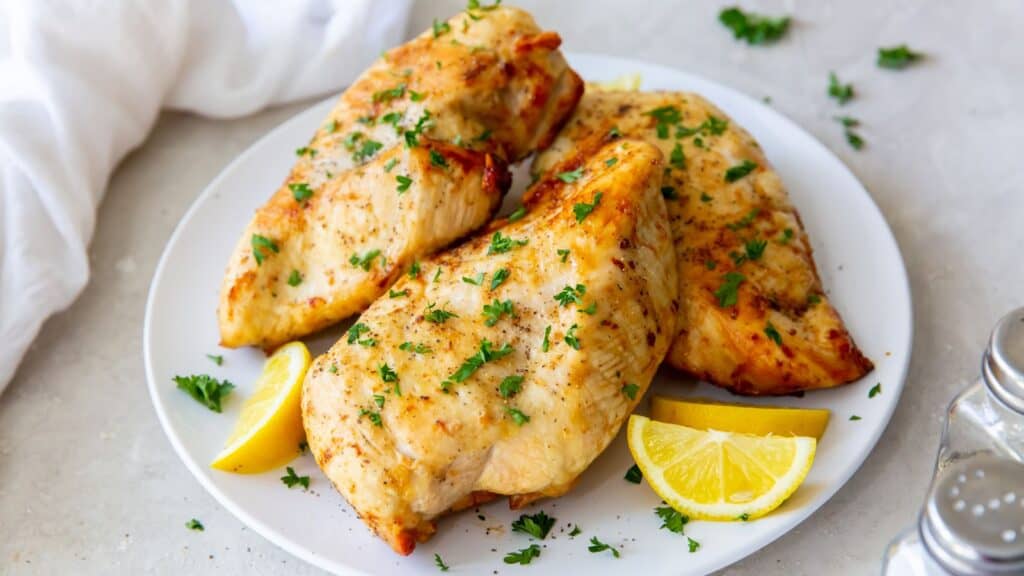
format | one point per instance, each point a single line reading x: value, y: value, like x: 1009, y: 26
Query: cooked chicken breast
x: 412, y: 157
x: 753, y: 316
x: 506, y: 365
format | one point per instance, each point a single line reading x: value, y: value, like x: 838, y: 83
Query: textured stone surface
x: 89, y: 484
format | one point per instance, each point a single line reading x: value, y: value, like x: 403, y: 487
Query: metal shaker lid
x: 1003, y: 364
x: 973, y: 521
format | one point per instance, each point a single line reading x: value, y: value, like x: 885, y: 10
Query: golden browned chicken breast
x: 412, y: 157
x: 753, y: 317
x: 506, y: 365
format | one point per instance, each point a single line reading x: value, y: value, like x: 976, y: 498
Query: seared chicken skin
x: 506, y: 365
x: 411, y: 158
x: 753, y: 316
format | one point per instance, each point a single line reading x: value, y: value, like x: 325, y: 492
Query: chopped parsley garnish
x: 194, y: 524
x: 571, y: 176
x: 403, y: 183
x: 391, y: 94
x: 496, y: 309
x: 259, y: 246
x: 414, y: 270
x: 537, y: 525
x: 634, y: 474
x: 205, y: 389
x: 417, y: 348
x: 300, y: 191
x: 510, y: 386
x: 295, y: 278
x: 677, y: 158
x: 747, y: 220
x: 379, y: 399
x: 364, y: 261
x: 727, y: 293
x: 787, y: 235
x: 571, y: 295
x: 546, y: 343
x: 693, y: 544
x: 440, y: 563
x: 575, y: 531
x: 753, y: 28
x: 524, y: 556
x: 291, y: 479
x: 476, y: 5
x: 387, y: 374
x: 392, y: 118
x: 669, y: 193
x: 737, y: 258
x: 755, y: 248
x: 704, y: 197
x: 630, y: 390
x: 773, y: 334
x: 374, y: 417
x: 854, y: 140
x: 854, y: 418
x: 740, y: 170
x: 366, y: 150
x: 412, y: 136
x: 437, y: 274
x: 841, y: 92
x: 663, y: 117
x: 671, y: 519
x: 484, y: 136
x: 517, y: 416
x: 502, y: 244
x: 356, y: 331
x: 710, y: 264
x: 398, y: 293
x: 499, y: 278
x: 570, y: 337
x: 305, y: 151
x: 743, y: 517
x: 590, y: 310
x: 596, y: 546
x: 415, y: 96
x: 897, y: 57
x: 216, y: 359
x: 333, y: 369
x: 614, y: 132
x: 813, y: 299
x: 390, y: 164
x: 441, y: 27
x: 437, y: 159
x: 331, y: 127
x: 875, y: 391
x: 563, y: 253
x: 474, y: 362
x: 581, y: 209
x: 518, y: 214
x: 611, y: 161
x: 303, y: 445
x: 437, y: 315
x: 474, y: 281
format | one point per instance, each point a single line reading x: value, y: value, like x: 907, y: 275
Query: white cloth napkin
x: 82, y: 81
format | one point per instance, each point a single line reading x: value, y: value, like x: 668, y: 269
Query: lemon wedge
x: 714, y: 475
x: 269, y: 430
x: 760, y: 420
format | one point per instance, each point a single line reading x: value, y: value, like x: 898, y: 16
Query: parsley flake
x: 374, y: 417
x: 295, y: 278
x: 440, y: 563
x: 510, y: 386
x: 596, y: 546
x: 291, y: 479
x: 671, y: 519
x: 524, y: 556
x: 630, y: 390
x: 740, y: 170
x: 499, y: 278
x: 205, y: 389
x: 259, y: 246
x: 753, y: 28
x: 563, y: 253
x: 755, y: 248
x: 875, y: 390
x: 390, y: 94
x: 474, y: 281
x: 300, y: 191
x: 387, y: 374
x: 403, y: 183
x: 474, y: 362
x: 392, y: 293
x: 518, y: 214
x: 501, y: 244
x: 854, y: 418
x: 727, y: 293
x: 365, y: 261
x: 194, y: 524
x: 773, y: 334
x: 437, y: 159
x: 669, y: 193
x: 517, y: 416
x: 570, y: 337
x: 571, y: 176
x: 355, y: 333
x: 677, y: 158
x: 611, y: 161
x: 897, y: 57
x: 693, y: 544
x: 537, y: 525
x: 305, y: 151
x: 575, y: 531
x: 546, y: 343
x: 841, y: 92
x: 414, y: 270
x: 634, y: 474
x: 496, y: 309
x: 216, y: 359
x: 437, y: 315
x: 416, y: 348
x: 441, y: 27
x: 571, y: 295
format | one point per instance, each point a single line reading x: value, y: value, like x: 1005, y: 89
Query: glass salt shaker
x: 972, y: 523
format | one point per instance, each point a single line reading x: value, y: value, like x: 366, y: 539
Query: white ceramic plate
x: 860, y: 265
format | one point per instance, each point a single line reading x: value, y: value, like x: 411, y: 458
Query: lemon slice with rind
x: 760, y: 420
x: 715, y: 475
x: 269, y: 430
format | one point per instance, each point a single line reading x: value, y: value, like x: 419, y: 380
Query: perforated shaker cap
x: 1003, y: 364
x: 973, y: 521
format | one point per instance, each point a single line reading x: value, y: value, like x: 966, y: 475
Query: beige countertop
x: 90, y: 485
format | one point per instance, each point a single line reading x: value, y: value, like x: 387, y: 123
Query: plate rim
x: 749, y: 547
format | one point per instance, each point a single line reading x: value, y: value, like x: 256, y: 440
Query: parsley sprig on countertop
x: 753, y: 28
x: 205, y: 389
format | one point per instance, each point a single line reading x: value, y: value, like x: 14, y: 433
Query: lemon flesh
x: 760, y: 420
x: 715, y: 475
x: 269, y: 430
